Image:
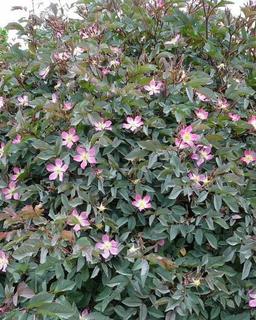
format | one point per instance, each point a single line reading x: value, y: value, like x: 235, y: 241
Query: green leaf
x: 151, y: 145
x: 132, y: 302
x: 136, y: 154
x: 143, y: 312
x: 64, y: 285
x: 144, y: 271
x: 212, y: 240
x: 62, y: 310
x: 246, y: 269
x: 40, y: 299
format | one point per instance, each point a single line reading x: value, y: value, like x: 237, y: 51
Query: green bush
x: 127, y: 160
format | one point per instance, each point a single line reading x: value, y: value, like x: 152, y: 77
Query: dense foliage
x: 127, y: 160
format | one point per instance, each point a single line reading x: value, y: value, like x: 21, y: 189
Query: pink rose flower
x: 3, y: 261
x: 133, y: 123
x: 107, y: 246
x: 23, y: 100
x: 78, y: 220
x: 154, y: 87
x: 249, y: 156
x: 69, y: 138
x: 11, y: 191
x: 85, y: 156
x: 234, y: 117
x: 186, y: 138
x: 198, y: 180
x: 222, y: 103
x: 17, y: 139
x: 16, y: 173
x: 67, y: 106
x: 252, y: 121
x: 141, y: 202
x: 201, y: 114
x: 103, y: 125
x: 202, y: 155
x: 252, y: 299
x: 57, y: 170
x: 202, y: 97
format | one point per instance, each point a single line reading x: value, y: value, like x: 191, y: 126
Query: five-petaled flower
x: 249, y: 156
x: 154, y: 87
x: 69, y: 138
x: 11, y: 191
x: 103, y: 125
x: 3, y: 261
x: 252, y: 298
x: 202, y: 154
x: 78, y: 220
x: 186, y: 138
x: 107, y: 246
x: 16, y: 173
x: 252, y: 121
x: 57, y: 170
x: 133, y: 123
x: 201, y: 114
x: 85, y: 156
x: 234, y: 117
x: 198, y: 179
x: 141, y: 202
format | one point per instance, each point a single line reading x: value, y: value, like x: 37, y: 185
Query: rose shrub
x: 127, y: 160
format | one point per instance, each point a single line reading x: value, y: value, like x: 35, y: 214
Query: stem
x: 206, y: 21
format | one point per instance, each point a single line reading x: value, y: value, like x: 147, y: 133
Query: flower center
x: 142, y: 204
x: 70, y: 138
x: 249, y: 158
x: 186, y: 137
x: 107, y: 245
x: 85, y: 156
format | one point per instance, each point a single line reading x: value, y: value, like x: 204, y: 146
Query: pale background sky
x: 7, y: 15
